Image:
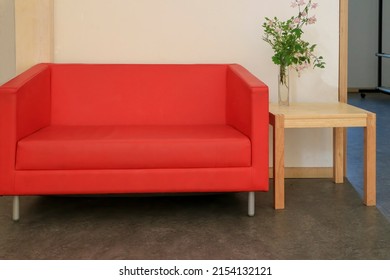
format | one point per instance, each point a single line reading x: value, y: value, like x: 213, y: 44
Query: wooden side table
x: 319, y: 115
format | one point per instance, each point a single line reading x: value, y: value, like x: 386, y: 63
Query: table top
x: 316, y: 109
x: 334, y: 114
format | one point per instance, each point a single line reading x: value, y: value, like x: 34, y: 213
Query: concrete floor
x: 321, y: 221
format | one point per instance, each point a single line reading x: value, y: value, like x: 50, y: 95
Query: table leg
x: 370, y: 161
x: 278, y: 157
x: 338, y: 154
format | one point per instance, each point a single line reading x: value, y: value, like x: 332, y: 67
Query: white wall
x: 203, y: 31
x: 7, y: 40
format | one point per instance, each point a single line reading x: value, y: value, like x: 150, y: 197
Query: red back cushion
x: 84, y: 94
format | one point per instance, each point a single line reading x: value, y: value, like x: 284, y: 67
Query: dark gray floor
x: 321, y: 221
x: 378, y: 103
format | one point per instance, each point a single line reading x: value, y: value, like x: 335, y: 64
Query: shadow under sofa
x: 133, y: 128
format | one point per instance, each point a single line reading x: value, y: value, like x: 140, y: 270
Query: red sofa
x: 112, y: 129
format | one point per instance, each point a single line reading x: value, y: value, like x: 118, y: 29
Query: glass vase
x: 283, y: 86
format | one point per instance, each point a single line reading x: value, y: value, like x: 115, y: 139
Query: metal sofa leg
x: 251, y: 204
x: 15, y: 208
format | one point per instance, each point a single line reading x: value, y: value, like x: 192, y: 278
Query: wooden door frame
x: 343, y: 73
x: 34, y: 33
x: 343, y: 51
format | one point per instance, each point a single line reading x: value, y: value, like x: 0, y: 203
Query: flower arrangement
x: 285, y: 38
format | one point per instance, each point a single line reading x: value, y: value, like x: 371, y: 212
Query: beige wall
x: 7, y: 40
x: 203, y: 31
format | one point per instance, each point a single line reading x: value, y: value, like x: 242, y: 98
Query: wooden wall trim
x: 343, y: 68
x: 343, y: 51
x: 306, y: 172
x: 34, y: 38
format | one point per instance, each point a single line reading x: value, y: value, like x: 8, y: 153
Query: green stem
x: 282, y: 74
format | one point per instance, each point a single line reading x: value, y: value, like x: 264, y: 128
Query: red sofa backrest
x: 84, y: 94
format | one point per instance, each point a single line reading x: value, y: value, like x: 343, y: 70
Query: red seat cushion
x: 124, y: 147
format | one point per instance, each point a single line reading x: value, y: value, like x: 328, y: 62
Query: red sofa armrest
x: 247, y: 111
x: 25, y: 105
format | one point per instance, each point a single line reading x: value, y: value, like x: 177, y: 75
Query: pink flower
x: 314, y: 5
x: 312, y: 20
x: 294, y: 4
x: 301, y: 67
x: 297, y: 20
x: 301, y: 3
